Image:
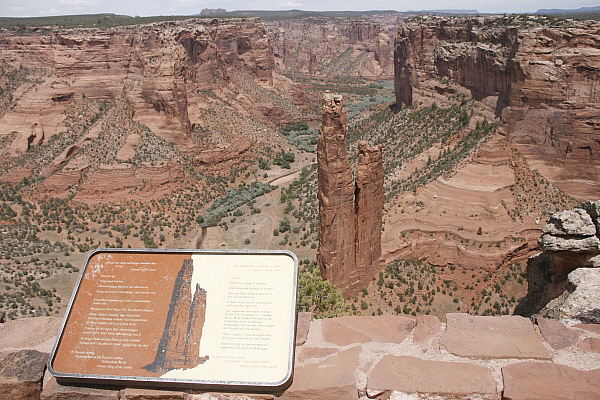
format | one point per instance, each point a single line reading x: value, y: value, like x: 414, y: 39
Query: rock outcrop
x: 233, y: 150
x: 368, y: 206
x: 350, y: 213
x: 564, y: 280
x: 541, y: 79
x: 128, y: 95
x: 337, y: 228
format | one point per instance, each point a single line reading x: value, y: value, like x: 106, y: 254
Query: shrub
x: 318, y: 295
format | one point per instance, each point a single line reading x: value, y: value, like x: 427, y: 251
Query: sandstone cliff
x: 540, y: 79
x: 134, y: 97
x: 350, y: 212
x: 324, y: 47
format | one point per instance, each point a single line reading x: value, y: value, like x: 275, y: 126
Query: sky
x: 34, y: 8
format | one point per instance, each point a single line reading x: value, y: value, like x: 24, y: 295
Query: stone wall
x: 384, y: 357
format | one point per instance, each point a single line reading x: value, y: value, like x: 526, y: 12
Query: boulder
x: 21, y: 374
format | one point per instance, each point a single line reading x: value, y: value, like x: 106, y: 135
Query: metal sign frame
x: 256, y: 325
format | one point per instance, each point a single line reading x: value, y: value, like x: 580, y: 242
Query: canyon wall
x: 158, y: 65
x: 324, y: 47
x: 350, y: 211
x: 540, y: 78
x: 93, y: 103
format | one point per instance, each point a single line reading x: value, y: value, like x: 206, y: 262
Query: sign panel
x: 195, y: 317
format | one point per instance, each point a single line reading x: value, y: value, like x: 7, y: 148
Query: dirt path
x: 273, y: 180
x: 200, y: 239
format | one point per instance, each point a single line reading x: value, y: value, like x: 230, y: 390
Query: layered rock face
x: 368, y: 206
x: 158, y: 64
x: 133, y: 102
x: 540, y: 79
x: 350, y: 212
x: 337, y: 228
x: 325, y: 47
x: 564, y: 280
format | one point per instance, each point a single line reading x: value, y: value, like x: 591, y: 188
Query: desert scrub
x: 447, y: 160
x: 234, y: 199
x: 318, y: 295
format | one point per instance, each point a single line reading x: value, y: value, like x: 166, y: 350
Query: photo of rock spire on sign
x: 179, y: 346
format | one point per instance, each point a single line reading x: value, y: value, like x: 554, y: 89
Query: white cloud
x: 289, y: 4
x: 51, y: 11
x: 77, y: 3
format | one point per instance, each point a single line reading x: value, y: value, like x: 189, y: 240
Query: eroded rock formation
x: 327, y: 47
x: 541, y: 79
x: 129, y: 98
x: 564, y: 280
x: 179, y: 346
x: 350, y: 212
x: 368, y: 203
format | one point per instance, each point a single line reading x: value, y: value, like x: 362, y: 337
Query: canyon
x: 202, y: 132
x: 127, y: 136
x: 535, y: 80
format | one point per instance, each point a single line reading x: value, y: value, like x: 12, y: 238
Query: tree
x: 318, y: 295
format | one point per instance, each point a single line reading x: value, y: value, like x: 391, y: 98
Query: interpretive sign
x: 195, y: 317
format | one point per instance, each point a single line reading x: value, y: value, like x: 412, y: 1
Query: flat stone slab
x: 492, y: 337
x: 330, y: 379
x: 427, y: 327
x: 546, y: 381
x: 595, y: 328
x: 150, y: 394
x: 413, y: 375
x: 315, y: 353
x: 343, y: 331
x: 55, y: 391
x: 590, y: 344
x: 30, y: 333
x: 229, y: 396
x: 556, y: 334
x: 302, y: 327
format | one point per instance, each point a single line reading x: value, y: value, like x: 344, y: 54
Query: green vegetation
x: 319, y: 295
x: 410, y: 132
x: 82, y: 21
x: 412, y: 286
x: 284, y: 159
x: 448, y: 159
x: 301, y: 137
x: 234, y: 199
